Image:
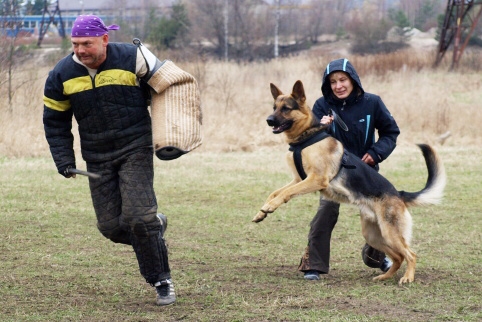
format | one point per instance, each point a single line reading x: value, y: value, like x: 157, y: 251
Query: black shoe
x: 163, y: 220
x: 165, y: 292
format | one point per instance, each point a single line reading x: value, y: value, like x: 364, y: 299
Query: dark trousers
x: 317, y: 253
x: 126, y: 209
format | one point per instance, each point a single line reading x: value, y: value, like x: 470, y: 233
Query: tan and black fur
x: 385, y: 219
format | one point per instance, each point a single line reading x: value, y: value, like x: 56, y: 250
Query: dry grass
x: 426, y: 102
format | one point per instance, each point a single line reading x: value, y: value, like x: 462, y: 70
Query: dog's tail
x: 433, y: 191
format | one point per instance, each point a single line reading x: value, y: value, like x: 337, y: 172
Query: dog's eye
x: 285, y: 109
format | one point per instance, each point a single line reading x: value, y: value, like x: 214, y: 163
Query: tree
x: 34, y: 7
x: 425, y: 13
x: 182, y: 23
x: 208, y: 18
x: 170, y: 32
x: 422, y: 13
x: 369, y: 29
x: 10, y: 12
x: 401, y: 23
x: 10, y: 8
x: 248, y: 29
x: 399, y: 18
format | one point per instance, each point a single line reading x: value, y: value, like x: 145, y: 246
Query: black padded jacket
x: 362, y: 112
x: 110, y: 109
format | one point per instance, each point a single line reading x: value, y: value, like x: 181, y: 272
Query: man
x: 99, y: 84
x: 363, y: 113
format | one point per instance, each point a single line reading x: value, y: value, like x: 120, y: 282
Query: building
x: 111, y: 7
x: 128, y: 10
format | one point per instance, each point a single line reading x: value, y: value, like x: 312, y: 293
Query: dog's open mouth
x: 282, y: 127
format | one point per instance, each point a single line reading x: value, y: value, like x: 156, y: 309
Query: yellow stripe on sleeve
x: 61, y: 106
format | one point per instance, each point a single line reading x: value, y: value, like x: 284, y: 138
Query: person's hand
x: 368, y: 160
x: 327, y: 119
x: 65, y: 171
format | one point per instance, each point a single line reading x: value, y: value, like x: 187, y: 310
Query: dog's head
x: 291, y: 115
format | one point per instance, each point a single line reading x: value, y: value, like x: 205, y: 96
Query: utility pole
x: 46, y: 21
x: 226, y: 40
x: 459, y: 24
x: 276, y: 30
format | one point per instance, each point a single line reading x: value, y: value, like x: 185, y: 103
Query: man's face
x: 341, y: 84
x: 91, y: 51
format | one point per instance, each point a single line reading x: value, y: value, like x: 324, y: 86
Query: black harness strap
x: 297, y: 147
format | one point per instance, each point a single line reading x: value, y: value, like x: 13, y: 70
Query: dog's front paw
x: 381, y: 277
x: 405, y: 279
x: 259, y: 216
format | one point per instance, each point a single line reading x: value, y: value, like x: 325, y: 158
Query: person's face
x: 341, y: 84
x: 91, y: 51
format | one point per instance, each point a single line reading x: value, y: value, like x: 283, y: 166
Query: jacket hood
x: 338, y: 65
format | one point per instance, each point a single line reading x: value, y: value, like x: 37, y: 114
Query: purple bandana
x: 90, y: 26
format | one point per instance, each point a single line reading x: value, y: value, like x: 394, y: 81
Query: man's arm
x: 57, y: 120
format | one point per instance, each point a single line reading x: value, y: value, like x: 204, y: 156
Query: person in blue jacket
x: 363, y: 113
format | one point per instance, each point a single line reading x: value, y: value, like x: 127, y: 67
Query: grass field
x: 56, y: 266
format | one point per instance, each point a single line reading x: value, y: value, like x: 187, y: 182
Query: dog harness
x: 297, y: 147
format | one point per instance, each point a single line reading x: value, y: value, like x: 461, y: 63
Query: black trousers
x: 126, y: 209
x: 317, y: 253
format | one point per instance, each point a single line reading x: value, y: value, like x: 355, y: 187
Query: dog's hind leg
x: 397, y: 263
x: 397, y: 258
x: 411, y: 259
x: 395, y: 237
x: 373, y: 236
x: 404, y: 229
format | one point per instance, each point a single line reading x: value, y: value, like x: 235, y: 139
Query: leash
x: 338, y: 120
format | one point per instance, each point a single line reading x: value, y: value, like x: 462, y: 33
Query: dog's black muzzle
x: 272, y: 121
x: 278, y: 125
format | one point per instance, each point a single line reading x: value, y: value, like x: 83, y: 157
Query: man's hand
x: 65, y: 171
x: 368, y: 160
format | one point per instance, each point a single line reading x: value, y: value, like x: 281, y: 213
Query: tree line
x: 254, y: 29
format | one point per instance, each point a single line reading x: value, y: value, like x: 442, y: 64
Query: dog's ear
x: 298, y: 91
x: 275, y: 91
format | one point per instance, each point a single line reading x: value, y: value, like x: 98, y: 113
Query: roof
x: 95, y: 5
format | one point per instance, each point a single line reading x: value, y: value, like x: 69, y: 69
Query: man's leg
x: 139, y: 215
x: 126, y: 210
x: 317, y: 254
x: 107, y: 201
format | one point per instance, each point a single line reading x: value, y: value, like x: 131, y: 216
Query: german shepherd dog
x: 342, y: 177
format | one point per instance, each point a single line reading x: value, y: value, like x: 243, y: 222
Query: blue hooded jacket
x: 362, y: 112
